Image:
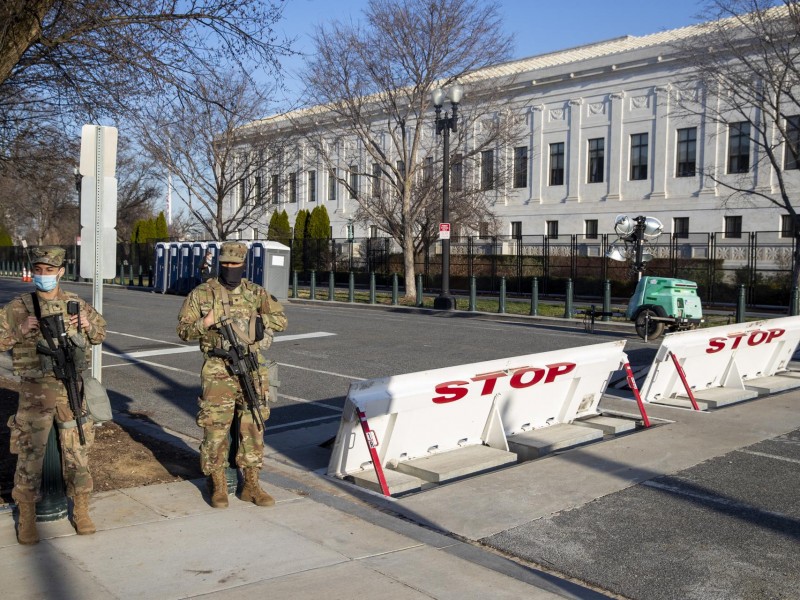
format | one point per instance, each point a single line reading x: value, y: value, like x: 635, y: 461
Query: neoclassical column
x: 616, y: 146
x: 660, y: 141
x: 575, y: 150
x: 538, y: 153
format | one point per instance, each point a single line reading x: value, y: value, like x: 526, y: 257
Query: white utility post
x: 98, y: 215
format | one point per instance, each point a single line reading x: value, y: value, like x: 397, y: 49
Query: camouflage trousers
x: 40, y: 402
x: 221, y: 401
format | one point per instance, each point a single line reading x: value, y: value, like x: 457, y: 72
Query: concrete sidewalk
x: 164, y: 541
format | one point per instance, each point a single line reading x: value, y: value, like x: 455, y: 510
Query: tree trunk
x: 23, y: 25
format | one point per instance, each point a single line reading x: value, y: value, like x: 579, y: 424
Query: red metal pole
x: 682, y: 375
x: 635, y: 390
x: 372, y: 444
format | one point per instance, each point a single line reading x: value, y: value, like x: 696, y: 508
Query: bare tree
x: 747, y: 62
x: 372, y: 87
x: 66, y: 61
x: 138, y: 187
x: 209, y: 142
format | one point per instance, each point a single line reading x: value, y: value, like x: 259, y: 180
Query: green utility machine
x: 660, y: 303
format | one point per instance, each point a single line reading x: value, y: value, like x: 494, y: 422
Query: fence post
x: 501, y: 305
x: 351, y: 288
x: 794, y: 303
x: 331, y: 286
x: 535, y: 297
x: 568, y: 300
x: 740, y: 304
x: 473, y: 293
x: 606, y: 300
x: 294, y: 284
x: 312, y: 292
x: 372, y: 287
x: 394, y: 289
x: 420, y: 299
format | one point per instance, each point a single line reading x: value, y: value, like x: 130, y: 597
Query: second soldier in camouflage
x: 244, y: 303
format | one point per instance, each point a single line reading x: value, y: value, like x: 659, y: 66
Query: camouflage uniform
x: 221, y: 392
x: 42, y: 397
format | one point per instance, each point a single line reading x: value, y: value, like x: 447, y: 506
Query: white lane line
x: 303, y: 422
x: 193, y: 348
x: 306, y: 401
x: 150, y: 364
x: 322, y: 372
x: 140, y: 337
x: 765, y: 455
x: 711, y: 499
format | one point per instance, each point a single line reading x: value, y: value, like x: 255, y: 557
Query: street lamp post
x: 444, y: 125
x: 78, y: 181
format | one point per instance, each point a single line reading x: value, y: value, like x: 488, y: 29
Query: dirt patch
x: 120, y: 457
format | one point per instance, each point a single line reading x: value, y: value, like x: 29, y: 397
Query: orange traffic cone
x: 24, y: 274
x: 30, y: 275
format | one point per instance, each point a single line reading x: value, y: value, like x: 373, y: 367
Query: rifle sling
x: 225, y: 300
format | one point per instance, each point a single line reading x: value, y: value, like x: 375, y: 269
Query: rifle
x: 242, y: 364
x: 55, y: 334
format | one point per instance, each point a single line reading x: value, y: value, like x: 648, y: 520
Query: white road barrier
x: 724, y: 364
x: 416, y: 415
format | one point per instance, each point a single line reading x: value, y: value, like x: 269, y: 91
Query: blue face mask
x: 45, y: 283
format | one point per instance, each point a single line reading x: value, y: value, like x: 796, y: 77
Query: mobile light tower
x: 444, y: 125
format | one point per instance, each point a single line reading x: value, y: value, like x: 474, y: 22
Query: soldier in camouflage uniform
x: 43, y: 398
x: 255, y: 315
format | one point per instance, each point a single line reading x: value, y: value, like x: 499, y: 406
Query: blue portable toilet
x: 161, y: 267
x: 270, y: 267
x: 184, y: 282
x: 173, y: 267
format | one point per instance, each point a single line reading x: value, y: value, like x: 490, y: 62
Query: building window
x: 557, y: 163
x: 332, y: 184
x: 242, y: 195
x: 373, y: 231
x: 590, y: 229
x: 292, y: 187
x: 376, y: 180
x: 596, y: 160
x: 257, y: 190
x: 686, y: 159
x: 427, y: 170
x: 680, y: 227
x: 639, y: 155
x: 739, y: 147
x: 457, y: 173
x: 790, y: 155
x: 787, y: 229
x: 401, y: 168
x: 521, y: 167
x: 354, y: 181
x: 312, y: 186
x: 275, y: 187
x: 552, y: 229
x: 733, y: 227
x: 483, y: 230
x: 487, y: 169
x: 516, y: 230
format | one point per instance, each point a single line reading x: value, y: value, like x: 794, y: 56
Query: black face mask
x: 230, y: 277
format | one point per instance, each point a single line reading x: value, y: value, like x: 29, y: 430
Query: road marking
x: 140, y: 337
x: 303, y: 422
x: 150, y: 364
x: 765, y: 455
x: 183, y: 349
x: 306, y: 401
x: 678, y: 491
x: 321, y: 371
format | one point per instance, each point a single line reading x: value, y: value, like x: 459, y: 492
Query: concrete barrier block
x: 453, y: 464
x: 608, y: 425
x: 539, y: 442
x: 398, y: 483
x: 718, y: 397
x: 764, y: 386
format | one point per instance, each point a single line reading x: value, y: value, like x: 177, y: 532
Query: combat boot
x: 252, y: 492
x: 26, y: 530
x: 80, y: 515
x: 219, y: 489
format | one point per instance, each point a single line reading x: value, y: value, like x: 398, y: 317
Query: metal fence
x: 762, y: 261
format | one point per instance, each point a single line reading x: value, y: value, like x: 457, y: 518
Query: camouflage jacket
x: 27, y: 362
x: 244, y: 304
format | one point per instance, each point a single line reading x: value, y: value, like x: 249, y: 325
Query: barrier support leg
x: 372, y: 444
x: 682, y: 375
x: 635, y: 390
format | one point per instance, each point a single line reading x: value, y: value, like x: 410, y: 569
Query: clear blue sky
x: 538, y: 26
